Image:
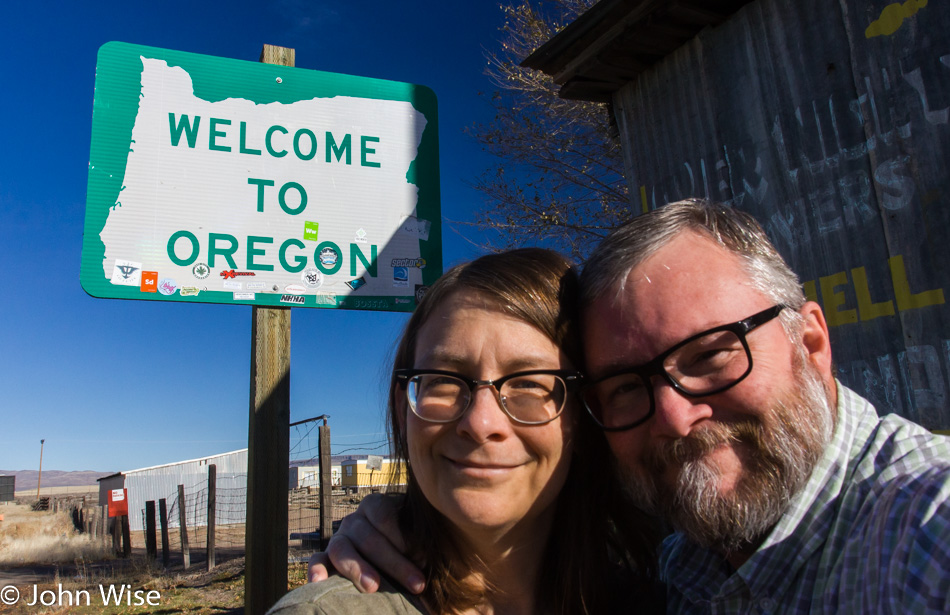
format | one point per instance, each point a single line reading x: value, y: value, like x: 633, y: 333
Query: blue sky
x: 116, y: 385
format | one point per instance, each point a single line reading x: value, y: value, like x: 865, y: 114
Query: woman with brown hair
x: 507, y: 501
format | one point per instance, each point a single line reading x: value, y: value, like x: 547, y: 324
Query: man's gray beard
x: 778, y: 460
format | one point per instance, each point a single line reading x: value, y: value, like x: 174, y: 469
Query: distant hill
x: 26, y: 479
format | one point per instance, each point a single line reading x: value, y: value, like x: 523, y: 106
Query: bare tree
x: 558, y: 179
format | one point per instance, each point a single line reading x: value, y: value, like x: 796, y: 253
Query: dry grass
x: 197, y: 591
x: 28, y: 538
x: 220, y: 591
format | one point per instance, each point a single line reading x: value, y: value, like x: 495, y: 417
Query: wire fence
x: 189, y: 505
x: 230, y: 517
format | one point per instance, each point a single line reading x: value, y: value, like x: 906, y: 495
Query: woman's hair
x: 540, y: 288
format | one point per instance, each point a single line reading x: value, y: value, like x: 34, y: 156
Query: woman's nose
x: 485, y: 419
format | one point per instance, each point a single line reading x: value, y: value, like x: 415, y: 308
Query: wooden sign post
x: 265, y: 579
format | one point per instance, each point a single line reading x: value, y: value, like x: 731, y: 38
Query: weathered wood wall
x: 829, y: 122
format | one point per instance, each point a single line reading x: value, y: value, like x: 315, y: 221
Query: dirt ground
x: 49, y: 568
x: 74, y: 590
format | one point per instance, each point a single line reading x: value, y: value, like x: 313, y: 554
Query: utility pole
x: 40, y: 475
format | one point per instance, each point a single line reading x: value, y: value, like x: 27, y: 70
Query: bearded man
x: 712, y: 378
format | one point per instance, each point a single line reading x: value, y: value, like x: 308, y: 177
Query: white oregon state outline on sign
x: 161, y: 177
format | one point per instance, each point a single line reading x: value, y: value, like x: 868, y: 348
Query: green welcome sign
x: 224, y: 181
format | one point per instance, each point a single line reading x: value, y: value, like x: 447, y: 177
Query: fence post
x: 163, y: 523
x: 116, y: 523
x: 126, y: 537
x: 151, y: 546
x: 326, y: 485
x: 104, y: 523
x: 212, y: 489
x: 183, y: 528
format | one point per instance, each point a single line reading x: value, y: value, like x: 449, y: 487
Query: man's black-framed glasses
x: 531, y: 397
x: 703, y: 364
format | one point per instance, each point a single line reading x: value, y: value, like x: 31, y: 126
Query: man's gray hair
x: 634, y: 242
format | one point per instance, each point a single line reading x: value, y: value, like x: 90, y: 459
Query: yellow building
x: 372, y: 472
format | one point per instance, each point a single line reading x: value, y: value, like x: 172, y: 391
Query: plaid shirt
x: 869, y: 533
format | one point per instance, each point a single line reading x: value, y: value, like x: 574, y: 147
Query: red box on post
x: 118, y: 503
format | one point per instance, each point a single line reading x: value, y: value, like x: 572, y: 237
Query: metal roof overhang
x: 616, y: 40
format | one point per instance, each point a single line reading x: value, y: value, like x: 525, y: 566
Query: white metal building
x: 162, y: 481
x: 309, y: 476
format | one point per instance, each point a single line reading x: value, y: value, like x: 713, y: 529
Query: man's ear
x: 816, y: 341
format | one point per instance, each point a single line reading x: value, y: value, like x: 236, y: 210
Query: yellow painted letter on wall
x: 811, y: 293
x: 906, y: 300
x: 834, y: 300
x: 867, y: 309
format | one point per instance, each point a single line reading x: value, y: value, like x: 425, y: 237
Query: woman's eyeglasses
x: 532, y: 397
